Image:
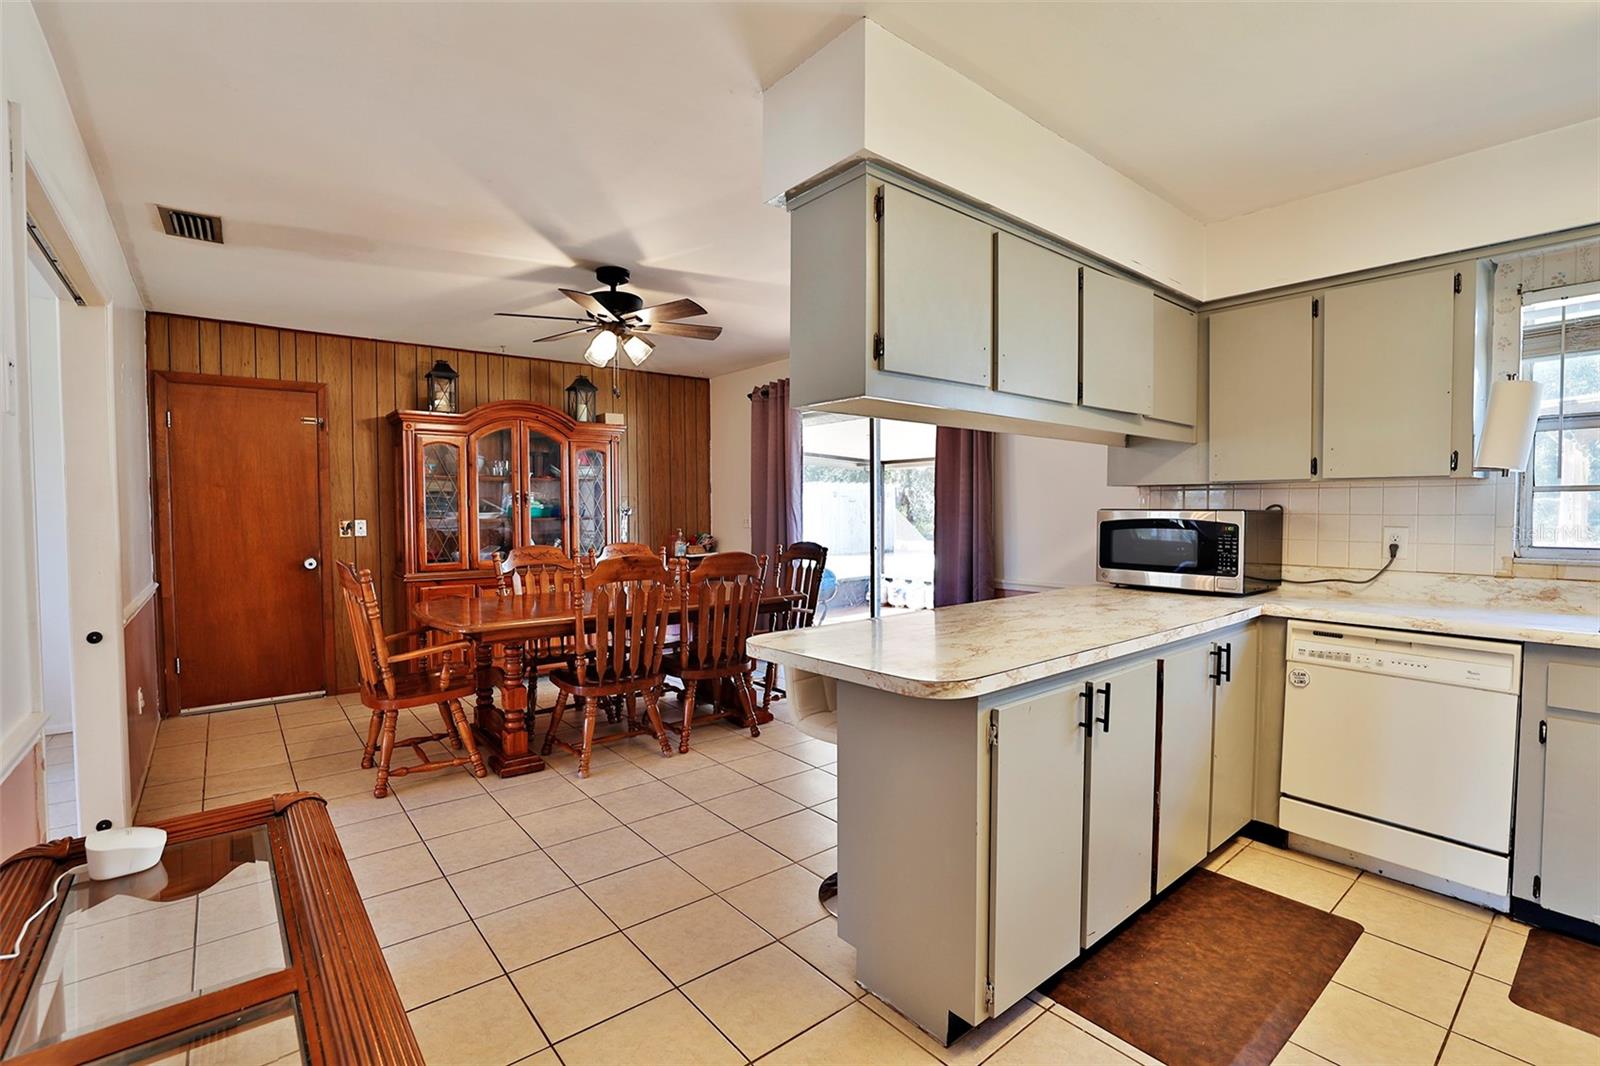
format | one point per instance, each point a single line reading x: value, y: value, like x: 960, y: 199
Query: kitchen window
x: 1559, y: 517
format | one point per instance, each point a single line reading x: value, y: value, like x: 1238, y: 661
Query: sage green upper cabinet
x: 1177, y: 364
x: 1036, y: 320
x: 937, y: 276
x: 1261, y: 391
x: 1388, y: 372
x: 1119, y: 337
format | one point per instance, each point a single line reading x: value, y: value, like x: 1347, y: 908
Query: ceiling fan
x: 621, y: 322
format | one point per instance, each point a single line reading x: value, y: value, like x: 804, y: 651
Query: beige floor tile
x: 439, y: 964
x: 1422, y: 895
x: 713, y: 781
x: 1510, y: 924
x: 322, y: 764
x: 768, y: 766
x: 348, y: 746
x: 375, y: 835
x: 602, y: 853
x: 226, y: 725
x: 694, y: 940
x: 235, y: 910
x: 1488, y: 1016
x: 455, y: 816
x: 808, y: 788
x: 1111, y: 1040
x: 765, y: 998
x: 642, y: 892
x: 679, y: 764
x: 974, y: 1046
x: 251, y: 784
x: 726, y: 745
x: 351, y: 783
x: 1459, y: 1051
x: 1416, y: 983
x: 854, y: 1035
x: 487, y: 1024
x: 731, y: 860
x: 557, y: 825
x: 828, y: 809
x: 610, y: 777
x: 1296, y: 880
x: 1348, y: 1027
x: 811, y: 750
x: 479, y: 847
x: 780, y: 734
x: 666, y: 1029
x: 155, y: 796
x: 349, y: 810
x: 1293, y: 1054
x: 417, y: 791
x: 239, y: 957
x: 819, y: 944
x: 180, y: 763
x: 1052, y: 1039
x: 798, y: 835
x: 642, y: 801
x: 751, y: 806
x: 538, y: 792
x: 1501, y: 954
x: 1307, y: 858
x: 508, y: 882
x: 324, y: 724
x: 1432, y: 930
x: 146, y: 816
x: 1219, y: 858
x: 680, y: 829
x: 542, y: 927
x: 823, y: 863
x: 571, y: 991
x: 547, y: 1057
x: 410, y: 912
x: 780, y: 902
x: 185, y: 730
x: 386, y: 871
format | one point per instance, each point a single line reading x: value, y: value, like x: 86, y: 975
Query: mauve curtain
x: 776, y: 470
x: 963, y: 516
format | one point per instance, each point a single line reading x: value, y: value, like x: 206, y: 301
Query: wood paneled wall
x: 666, y: 452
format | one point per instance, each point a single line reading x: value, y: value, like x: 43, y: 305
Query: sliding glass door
x: 868, y: 498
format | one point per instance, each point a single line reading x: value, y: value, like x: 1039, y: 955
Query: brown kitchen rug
x: 1218, y: 972
x: 1559, y: 977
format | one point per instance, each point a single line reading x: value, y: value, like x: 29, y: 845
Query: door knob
x: 310, y: 563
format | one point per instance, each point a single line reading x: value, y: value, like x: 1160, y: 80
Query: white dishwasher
x: 1403, y: 747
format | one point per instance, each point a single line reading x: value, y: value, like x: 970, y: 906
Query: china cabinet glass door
x: 442, y: 492
x: 545, y: 515
x: 493, y: 453
x: 592, y: 502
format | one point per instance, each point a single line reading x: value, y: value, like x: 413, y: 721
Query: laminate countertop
x: 977, y: 648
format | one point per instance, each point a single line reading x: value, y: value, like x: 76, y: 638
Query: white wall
x: 730, y: 451
x: 1046, y: 493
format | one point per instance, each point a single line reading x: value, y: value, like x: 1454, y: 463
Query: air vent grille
x: 189, y: 224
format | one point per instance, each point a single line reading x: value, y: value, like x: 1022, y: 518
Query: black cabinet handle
x: 1225, y: 662
x: 1216, y: 664
x: 1105, y: 722
x: 1087, y: 696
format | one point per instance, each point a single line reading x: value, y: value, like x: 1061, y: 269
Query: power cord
x: 1394, y: 553
x: 16, y: 949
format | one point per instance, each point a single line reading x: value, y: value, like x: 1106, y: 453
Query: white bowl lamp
x: 637, y: 348
x: 602, y: 349
x: 1508, y: 427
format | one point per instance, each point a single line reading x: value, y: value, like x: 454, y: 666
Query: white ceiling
x: 405, y: 170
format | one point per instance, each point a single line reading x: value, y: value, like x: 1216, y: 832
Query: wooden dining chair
x: 719, y: 615
x: 543, y: 571
x: 624, y: 549
x: 394, y: 681
x: 618, y: 633
x: 798, y: 573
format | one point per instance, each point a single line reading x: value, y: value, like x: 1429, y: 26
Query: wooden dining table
x: 505, y: 623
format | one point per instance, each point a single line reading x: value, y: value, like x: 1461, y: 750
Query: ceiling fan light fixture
x: 637, y: 348
x: 602, y: 349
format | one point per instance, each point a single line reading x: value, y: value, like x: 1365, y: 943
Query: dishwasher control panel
x: 1423, y: 657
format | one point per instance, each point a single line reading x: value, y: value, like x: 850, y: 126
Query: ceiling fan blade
x: 680, y: 329
x: 589, y: 304
x: 668, y: 311
x: 552, y: 318
x: 566, y: 333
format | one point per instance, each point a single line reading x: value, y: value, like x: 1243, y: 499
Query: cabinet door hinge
x: 1544, y: 732
x: 169, y: 419
x: 1313, y: 466
x: 877, y: 205
x: 1536, y: 886
x: 1458, y: 284
x: 1316, y: 308
x: 877, y: 347
x: 988, y: 996
x: 994, y: 733
x: 177, y: 665
x: 1455, y: 460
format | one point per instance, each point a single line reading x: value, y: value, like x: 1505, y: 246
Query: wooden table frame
x: 508, y: 623
x: 350, y: 1011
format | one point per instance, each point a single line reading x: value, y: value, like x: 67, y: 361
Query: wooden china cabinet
x: 499, y: 476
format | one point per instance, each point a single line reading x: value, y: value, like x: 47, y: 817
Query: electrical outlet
x: 361, y: 527
x: 347, y: 527
x: 1400, y: 535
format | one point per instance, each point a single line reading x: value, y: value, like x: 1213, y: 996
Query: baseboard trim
x: 1266, y: 834
x: 1525, y: 910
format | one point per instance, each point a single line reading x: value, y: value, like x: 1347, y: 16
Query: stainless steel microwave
x: 1233, y: 552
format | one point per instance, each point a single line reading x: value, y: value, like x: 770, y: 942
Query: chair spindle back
x: 724, y: 595
x: 366, y: 628
x: 538, y: 570
x: 799, y: 573
x: 627, y: 600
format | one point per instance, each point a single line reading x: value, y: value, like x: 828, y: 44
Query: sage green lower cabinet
x: 1233, y: 733
x: 1121, y: 814
x: 1183, y: 792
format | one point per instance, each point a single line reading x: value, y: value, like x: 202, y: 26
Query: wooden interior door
x: 242, y: 498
